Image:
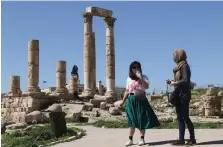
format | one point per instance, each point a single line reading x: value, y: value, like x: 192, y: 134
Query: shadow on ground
x: 161, y: 142
x: 211, y: 142
x: 201, y: 143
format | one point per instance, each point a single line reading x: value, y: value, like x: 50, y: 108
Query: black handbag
x: 173, y: 98
x: 139, y: 94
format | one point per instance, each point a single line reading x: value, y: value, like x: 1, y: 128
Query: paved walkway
x: 100, y: 137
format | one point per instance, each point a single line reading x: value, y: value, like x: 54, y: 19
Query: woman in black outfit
x: 182, y: 75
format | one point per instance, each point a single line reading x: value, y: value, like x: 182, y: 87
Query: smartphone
x: 138, y: 74
x: 168, y: 81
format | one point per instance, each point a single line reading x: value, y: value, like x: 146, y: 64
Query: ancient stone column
x: 94, y: 62
x: 209, y: 105
x: 88, y: 52
x: 73, y: 84
x: 110, y: 57
x: 14, y: 86
x: 213, y: 92
x: 100, y: 88
x: 33, y: 66
x: 61, y: 77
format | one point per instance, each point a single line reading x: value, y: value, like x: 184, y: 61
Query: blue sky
x: 144, y: 31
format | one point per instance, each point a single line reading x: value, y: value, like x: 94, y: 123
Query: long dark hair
x: 131, y: 74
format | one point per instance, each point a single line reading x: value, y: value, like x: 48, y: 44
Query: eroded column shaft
x: 14, y: 86
x: 110, y: 56
x: 61, y: 77
x: 33, y: 66
x: 88, y: 54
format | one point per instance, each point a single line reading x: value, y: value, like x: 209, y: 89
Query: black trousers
x: 182, y: 111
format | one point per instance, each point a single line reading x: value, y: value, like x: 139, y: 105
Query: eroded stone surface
x: 114, y: 111
x: 36, y: 117
x: 61, y: 77
x: 73, y: 111
x: 101, y: 12
x: 103, y: 105
x: 14, y: 86
x: 55, y: 108
x: 33, y: 66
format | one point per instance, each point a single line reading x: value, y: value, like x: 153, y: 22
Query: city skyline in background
x: 144, y: 31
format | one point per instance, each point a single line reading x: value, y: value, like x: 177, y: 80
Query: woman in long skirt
x: 139, y: 112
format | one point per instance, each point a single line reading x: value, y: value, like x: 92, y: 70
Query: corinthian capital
x: 110, y: 21
x: 87, y: 17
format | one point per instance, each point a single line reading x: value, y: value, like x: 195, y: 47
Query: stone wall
x: 14, y: 109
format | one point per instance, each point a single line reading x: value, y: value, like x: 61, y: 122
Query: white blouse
x: 132, y: 85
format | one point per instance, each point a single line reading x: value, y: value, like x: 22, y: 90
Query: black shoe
x: 191, y: 142
x: 178, y: 143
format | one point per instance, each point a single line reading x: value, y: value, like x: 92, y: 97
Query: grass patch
x: 35, y: 136
x: 164, y: 124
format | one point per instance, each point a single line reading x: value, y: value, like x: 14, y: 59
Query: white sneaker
x: 141, y: 142
x: 129, y: 143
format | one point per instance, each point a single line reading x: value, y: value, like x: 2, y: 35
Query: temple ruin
x: 89, y: 52
x: 16, y: 105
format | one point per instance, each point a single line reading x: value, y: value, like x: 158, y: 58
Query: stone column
x: 209, y: 105
x: 14, y: 86
x: 110, y: 57
x: 61, y: 77
x: 73, y: 84
x: 88, y: 52
x: 33, y: 66
x: 94, y: 62
x: 100, y: 88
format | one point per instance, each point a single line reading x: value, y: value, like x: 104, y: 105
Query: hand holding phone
x: 138, y: 74
x: 168, y: 81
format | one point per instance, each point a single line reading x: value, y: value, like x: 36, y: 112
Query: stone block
x: 96, y: 102
x: 103, y: 105
x: 153, y: 97
x: 213, y: 91
x: 17, y: 126
x: 220, y: 93
x: 18, y: 117
x: 88, y: 107
x: 101, y: 12
x: 35, y: 117
x: 114, y: 111
x: 55, y: 108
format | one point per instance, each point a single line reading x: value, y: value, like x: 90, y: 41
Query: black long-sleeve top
x: 184, y: 82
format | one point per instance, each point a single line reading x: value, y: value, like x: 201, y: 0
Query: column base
x: 33, y: 89
x: 33, y: 94
x: 71, y: 91
x: 111, y: 96
x: 14, y: 94
x: 88, y: 93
